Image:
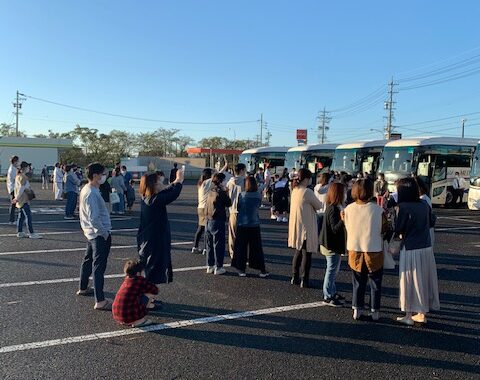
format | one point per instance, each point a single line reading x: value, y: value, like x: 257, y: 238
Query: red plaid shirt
x: 127, y: 307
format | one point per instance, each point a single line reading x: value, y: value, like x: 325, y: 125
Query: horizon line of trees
x: 89, y: 145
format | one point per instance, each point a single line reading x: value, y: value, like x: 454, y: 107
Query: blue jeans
x: 71, y: 203
x: 333, y: 266
x: 96, y: 256
x: 215, y: 237
x: 25, y: 216
x: 119, y: 207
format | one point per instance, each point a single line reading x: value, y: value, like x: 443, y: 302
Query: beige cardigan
x: 303, y: 219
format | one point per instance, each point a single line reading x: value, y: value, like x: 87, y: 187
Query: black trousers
x: 457, y: 195
x: 198, y: 235
x: 12, y: 208
x: 248, y: 246
x: 359, y: 282
x: 302, y: 262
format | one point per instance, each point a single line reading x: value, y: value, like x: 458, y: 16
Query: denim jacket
x: 248, y: 204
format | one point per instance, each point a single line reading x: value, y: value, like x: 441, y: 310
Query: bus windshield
x: 344, y: 160
x: 293, y: 160
x: 397, y: 160
x: 249, y: 160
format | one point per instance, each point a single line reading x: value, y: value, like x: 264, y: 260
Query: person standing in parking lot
x: 44, y: 176
x: 96, y: 226
x: 11, y: 174
x: 58, y: 182
x: 72, y: 182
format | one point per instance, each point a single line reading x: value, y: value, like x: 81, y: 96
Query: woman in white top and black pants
x: 365, y: 223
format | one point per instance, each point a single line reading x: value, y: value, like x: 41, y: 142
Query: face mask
x: 103, y: 178
x: 123, y: 171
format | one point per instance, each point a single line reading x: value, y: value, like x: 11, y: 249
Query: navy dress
x: 153, y: 238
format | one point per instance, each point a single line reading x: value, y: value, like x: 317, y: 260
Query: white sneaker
x: 285, y: 219
x: 242, y: 274
x: 35, y: 236
x: 12, y: 223
x: 210, y: 270
x: 375, y: 315
x: 219, y: 271
x: 357, y: 313
x: 204, y: 252
x: 279, y: 219
x: 22, y: 235
x: 264, y: 275
x: 273, y: 217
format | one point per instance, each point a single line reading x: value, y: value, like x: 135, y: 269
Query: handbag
x: 114, y: 198
x: 30, y: 194
x: 395, y: 246
x: 388, y: 262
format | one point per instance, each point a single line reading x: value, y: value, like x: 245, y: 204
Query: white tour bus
x: 316, y: 158
x: 474, y: 191
x: 358, y: 157
x: 271, y: 157
x: 434, y: 159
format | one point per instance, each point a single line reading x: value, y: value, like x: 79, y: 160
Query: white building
x: 38, y: 151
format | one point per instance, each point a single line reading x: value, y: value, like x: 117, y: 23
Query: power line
x: 441, y: 119
x: 450, y: 78
x: 135, y: 117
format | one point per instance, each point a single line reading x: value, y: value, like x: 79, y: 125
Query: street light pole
x: 463, y: 128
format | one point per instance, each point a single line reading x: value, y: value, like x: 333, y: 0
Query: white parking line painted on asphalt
x: 459, y: 219
x: 76, y: 279
x: 63, y: 221
x: 457, y: 228
x: 157, y: 327
x: 70, y: 232
x: 79, y: 249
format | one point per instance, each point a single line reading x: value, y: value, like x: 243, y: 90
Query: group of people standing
x: 360, y: 228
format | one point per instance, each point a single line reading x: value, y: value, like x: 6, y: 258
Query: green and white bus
x: 474, y: 191
x: 316, y: 158
x: 434, y: 159
x: 358, y: 157
x: 269, y: 157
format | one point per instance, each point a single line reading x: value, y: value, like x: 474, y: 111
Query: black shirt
x: 332, y: 235
x: 414, y: 220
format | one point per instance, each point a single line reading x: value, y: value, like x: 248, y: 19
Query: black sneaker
x: 339, y: 298
x: 333, y: 302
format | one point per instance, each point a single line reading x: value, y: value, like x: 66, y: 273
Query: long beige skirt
x: 418, y: 281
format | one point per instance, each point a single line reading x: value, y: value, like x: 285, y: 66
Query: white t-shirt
x: 321, y: 194
x: 11, y: 174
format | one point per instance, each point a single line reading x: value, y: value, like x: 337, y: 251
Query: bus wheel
x: 449, y: 198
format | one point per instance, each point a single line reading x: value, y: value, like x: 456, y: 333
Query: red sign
x: 301, y: 134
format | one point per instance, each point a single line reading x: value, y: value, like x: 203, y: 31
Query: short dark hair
x: 250, y: 184
x: 407, y: 190
x: 422, y: 186
x: 302, y: 174
x: 218, y: 178
x: 132, y: 267
x: 362, y: 190
x: 175, y: 164
x: 94, y: 168
x: 124, y: 167
x: 239, y: 167
x: 206, y: 174
x: 13, y: 159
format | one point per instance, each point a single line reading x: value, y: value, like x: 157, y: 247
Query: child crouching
x: 133, y: 297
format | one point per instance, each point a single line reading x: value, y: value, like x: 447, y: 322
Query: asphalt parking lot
x: 225, y: 326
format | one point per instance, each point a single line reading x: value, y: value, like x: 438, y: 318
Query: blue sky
x: 215, y: 61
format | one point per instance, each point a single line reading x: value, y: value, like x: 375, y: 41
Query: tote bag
x: 388, y: 262
x: 114, y: 198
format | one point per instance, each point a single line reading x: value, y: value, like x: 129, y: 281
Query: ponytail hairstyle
x: 302, y: 174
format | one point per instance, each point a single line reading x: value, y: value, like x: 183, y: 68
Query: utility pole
x: 261, y: 129
x: 18, y: 105
x: 323, y: 126
x: 389, y: 106
x: 463, y: 128
x: 268, y: 136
